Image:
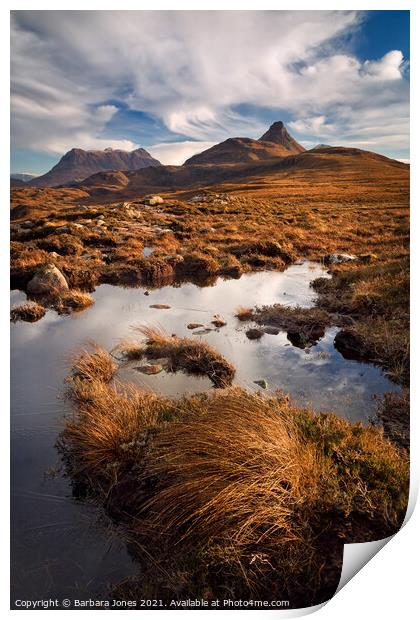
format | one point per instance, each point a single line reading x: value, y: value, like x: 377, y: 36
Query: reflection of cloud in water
x: 327, y: 382
x: 40, y: 359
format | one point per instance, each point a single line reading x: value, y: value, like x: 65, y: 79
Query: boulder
x: 273, y: 331
x: 150, y: 369
x: 152, y: 201
x: 333, y: 259
x: 350, y: 345
x: 254, y: 334
x: 262, y: 383
x: 48, y: 279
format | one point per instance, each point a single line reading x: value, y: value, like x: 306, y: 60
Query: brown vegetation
x: 394, y: 414
x: 375, y: 296
x: 72, y: 300
x: 231, y: 491
x: 30, y: 312
x: 304, y: 326
x: 244, y: 314
x: 191, y: 356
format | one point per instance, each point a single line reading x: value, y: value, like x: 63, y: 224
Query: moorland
x: 231, y: 491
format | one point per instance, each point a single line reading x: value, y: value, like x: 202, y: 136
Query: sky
x: 177, y: 82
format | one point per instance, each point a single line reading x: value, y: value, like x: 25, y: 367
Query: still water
x: 59, y: 549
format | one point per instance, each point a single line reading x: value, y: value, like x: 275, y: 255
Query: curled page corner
x: 356, y: 555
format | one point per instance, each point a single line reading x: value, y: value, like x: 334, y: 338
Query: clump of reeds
x: 191, y: 356
x: 304, y: 326
x: 244, y: 314
x: 30, y: 312
x: 245, y: 492
x: 198, y: 264
x: 74, y: 300
x: 93, y: 364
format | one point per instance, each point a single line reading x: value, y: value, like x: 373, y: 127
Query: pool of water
x: 58, y: 546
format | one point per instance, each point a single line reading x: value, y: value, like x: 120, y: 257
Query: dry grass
x: 191, y: 356
x: 376, y: 299
x: 330, y: 213
x: 73, y: 300
x: 67, y: 301
x: 232, y: 490
x: 304, y: 326
x: 93, y: 364
x: 244, y: 314
x: 30, y: 312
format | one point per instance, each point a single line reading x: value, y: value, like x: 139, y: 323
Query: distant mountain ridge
x: 268, y: 160
x: 78, y: 164
x: 329, y: 166
x: 276, y: 142
x: 22, y: 176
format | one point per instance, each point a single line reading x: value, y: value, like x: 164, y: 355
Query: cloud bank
x: 196, y: 72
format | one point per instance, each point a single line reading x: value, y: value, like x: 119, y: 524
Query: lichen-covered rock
x: 48, y: 279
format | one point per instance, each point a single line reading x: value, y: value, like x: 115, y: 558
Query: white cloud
x: 175, y: 153
x: 192, y: 69
x: 387, y: 68
x: 316, y: 125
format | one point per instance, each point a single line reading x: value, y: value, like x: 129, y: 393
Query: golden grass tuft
x: 244, y: 492
x: 244, y: 314
x: 30, y: 312
x: 76, y: 300
x: 93, y: 364
x: 191, y: 356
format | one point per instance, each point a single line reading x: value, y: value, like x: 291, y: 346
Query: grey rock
x: 262, y: 383
x: 48, y: 279
x: 333, y: 259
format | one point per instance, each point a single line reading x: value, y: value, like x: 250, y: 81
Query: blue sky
x: 178, y: 82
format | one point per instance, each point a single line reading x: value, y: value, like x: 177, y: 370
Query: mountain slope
x: 276, y: 142
x: 327, y: 168
x: 22, y: 176
x: 78, y: 164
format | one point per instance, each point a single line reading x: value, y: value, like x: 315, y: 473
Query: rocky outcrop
x: 350, y: 345
x: 278, y: 134
x: 79, y: 164
x: 47, y: 280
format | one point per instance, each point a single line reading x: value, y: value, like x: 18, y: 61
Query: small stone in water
x: 262, y: 383
x: 160, y: 306
x: 194, y: 325
x: 200, y: 332
x: 272, y: 330
x: 150, y: 369
x: 254, y: 334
